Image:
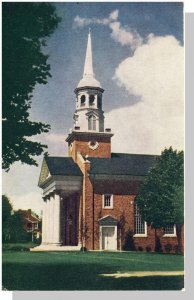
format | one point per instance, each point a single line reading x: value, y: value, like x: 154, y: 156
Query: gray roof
x: 122, y: 164
x: 62, y: 166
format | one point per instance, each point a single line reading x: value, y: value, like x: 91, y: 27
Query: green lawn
x: 80, y: 270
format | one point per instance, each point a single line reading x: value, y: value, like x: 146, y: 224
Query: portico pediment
x: 44, y: 173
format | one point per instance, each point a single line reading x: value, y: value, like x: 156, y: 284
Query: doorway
x: 109, y: 238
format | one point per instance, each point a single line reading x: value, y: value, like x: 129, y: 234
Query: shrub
x: 140, y: 248
x: 129, y: 242
x: 168, y: 248
x: 148, y: 249
x: 176, y: 249
x: 83, y: 249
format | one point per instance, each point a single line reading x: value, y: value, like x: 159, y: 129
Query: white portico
x: 61, y: 181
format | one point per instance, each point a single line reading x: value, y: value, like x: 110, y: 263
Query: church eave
x: 88, y: 88
x: 115, y: 177
x: 74, y: 134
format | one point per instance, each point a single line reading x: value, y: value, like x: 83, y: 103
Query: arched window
x: 92, y: 123
x: 83, y: 99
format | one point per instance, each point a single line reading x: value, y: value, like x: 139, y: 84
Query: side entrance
x: 108, y: 233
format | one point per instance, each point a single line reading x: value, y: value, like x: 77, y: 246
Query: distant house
x: 31, y: 222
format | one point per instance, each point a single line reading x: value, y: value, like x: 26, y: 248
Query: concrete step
x: 55, y: 248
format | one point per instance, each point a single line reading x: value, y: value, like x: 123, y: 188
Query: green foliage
x: 25, y: 27
x: 18, y: 246
x: 160, y: 200
x: 6, y: 217
x: 18, y: 233
x: 12, y: 224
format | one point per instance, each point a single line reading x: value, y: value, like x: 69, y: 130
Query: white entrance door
x: 109, y: 238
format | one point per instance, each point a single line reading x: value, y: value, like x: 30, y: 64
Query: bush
x: 140, y: 248
x: 129, y: 242
x: 148, y: 249
x: 168, y: 248
x: 18, y: 246
x: 176, y: 249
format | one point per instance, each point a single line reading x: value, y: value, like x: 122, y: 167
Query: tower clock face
x: 93, y: 144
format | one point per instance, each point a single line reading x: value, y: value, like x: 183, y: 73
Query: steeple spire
x: 88, y: 67
x: 88, y: 79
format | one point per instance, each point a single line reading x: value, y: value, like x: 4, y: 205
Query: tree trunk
x: 158, y: 247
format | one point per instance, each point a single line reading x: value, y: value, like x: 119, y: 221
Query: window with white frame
x: 92, y: 123
x: 140, y: 226
x: 170, y: 230
x: 107, y: 200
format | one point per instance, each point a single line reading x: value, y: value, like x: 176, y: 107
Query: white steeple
x: 88, y: 67
x: 88, y: 79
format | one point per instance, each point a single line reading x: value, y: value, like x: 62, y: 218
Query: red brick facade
x: 80, y: 144
x: 90, y: 209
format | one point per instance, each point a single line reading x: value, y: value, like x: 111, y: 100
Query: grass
x: 80, y: 271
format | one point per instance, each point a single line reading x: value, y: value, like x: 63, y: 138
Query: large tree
x: 161, y: 198
x: 25, y: 29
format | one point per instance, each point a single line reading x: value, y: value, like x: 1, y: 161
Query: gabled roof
x: 27, y: 215
x: 122, y: 164
x: 64, y: 166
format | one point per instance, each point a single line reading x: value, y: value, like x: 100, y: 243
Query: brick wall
x: 123, y: 210
x: 81, y: 145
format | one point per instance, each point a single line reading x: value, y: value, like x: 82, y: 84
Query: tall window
x: 140, y: 226
x: 107, y: 201
x: 91, y: 100
x: 170, y: 230
x: 99, y: 102
x: 92, y: 122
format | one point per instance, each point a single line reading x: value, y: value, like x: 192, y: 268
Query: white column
x: 47, y: 222
x: 44, y: 223
x: 57, y: 219
x: 51, y: 218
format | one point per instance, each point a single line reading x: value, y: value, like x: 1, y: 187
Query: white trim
x: 111, y: 201
x: 100, y: 234
x: 93, y: 147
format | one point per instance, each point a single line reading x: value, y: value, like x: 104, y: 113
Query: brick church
x: 89, y: 196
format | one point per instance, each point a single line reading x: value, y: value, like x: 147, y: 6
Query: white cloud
x: 114, y: 15
x: 154, y: 72
x: 125, y: 36
x: 55, y: 142
x: 120, y: 34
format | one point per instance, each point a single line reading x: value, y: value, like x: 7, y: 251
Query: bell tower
x: 88, y: 135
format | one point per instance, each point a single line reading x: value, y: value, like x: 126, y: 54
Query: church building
x: 89, y: 196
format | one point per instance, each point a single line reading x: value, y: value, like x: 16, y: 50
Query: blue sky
x: 138, y: 58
